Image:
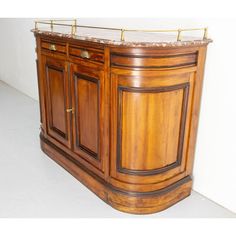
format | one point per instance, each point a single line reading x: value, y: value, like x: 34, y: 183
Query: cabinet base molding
x: 130, y: 202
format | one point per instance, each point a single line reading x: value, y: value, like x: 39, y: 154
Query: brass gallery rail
x: 74, y: 26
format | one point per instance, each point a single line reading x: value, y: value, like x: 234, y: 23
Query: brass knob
x: 70, y: 110
x: 52, y: 47
x: 85, y: 54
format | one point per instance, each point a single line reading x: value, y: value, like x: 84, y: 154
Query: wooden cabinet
x: 122, y: 118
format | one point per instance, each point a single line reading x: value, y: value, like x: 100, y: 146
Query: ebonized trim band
x: 108, y: 185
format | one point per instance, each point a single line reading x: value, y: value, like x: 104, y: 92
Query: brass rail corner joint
x: 121, y: 114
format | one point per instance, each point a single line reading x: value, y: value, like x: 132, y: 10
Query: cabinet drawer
x: 84, y: 53
x: 55, y: 47
x: 154, y: 61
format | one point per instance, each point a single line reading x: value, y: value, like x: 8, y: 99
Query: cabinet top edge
x: 185, y: 42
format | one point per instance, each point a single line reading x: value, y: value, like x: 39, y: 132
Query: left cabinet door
x: 55, y: 74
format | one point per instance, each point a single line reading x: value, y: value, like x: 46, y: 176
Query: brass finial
x: 205, y: 33
x: 179, y: 35
x: 122, y: 37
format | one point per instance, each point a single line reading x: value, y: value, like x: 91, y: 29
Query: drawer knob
x: 85, y: 54
x: 52, y: 47
x: 70, y: 110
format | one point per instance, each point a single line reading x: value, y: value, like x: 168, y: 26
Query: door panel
x: 87, y: 87
x: 149, y: 126
x: 56, y: 83
x: 86, y: 106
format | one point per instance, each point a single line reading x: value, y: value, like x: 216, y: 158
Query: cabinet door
x: 150, y: 125
x: 87, y: 90
x: 57, y: 100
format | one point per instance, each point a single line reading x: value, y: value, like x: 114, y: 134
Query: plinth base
x: 130, y: 202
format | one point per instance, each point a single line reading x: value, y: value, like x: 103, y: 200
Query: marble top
x: 131, y: 40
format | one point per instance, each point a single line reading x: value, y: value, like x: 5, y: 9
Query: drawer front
x: 54, y: 47
x: 85, y: 53
x: 154, y: 61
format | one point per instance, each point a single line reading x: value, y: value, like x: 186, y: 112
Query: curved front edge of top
x: 160, y: 44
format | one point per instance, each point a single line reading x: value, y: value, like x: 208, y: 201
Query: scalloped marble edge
x: 197, y: 42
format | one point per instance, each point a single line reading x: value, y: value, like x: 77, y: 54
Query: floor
x: 32, y: 185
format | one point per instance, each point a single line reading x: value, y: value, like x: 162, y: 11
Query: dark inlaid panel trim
x: 185, y: 87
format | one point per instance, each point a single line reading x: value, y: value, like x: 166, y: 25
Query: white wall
x: 214, y: 169
x: 17, y: 55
